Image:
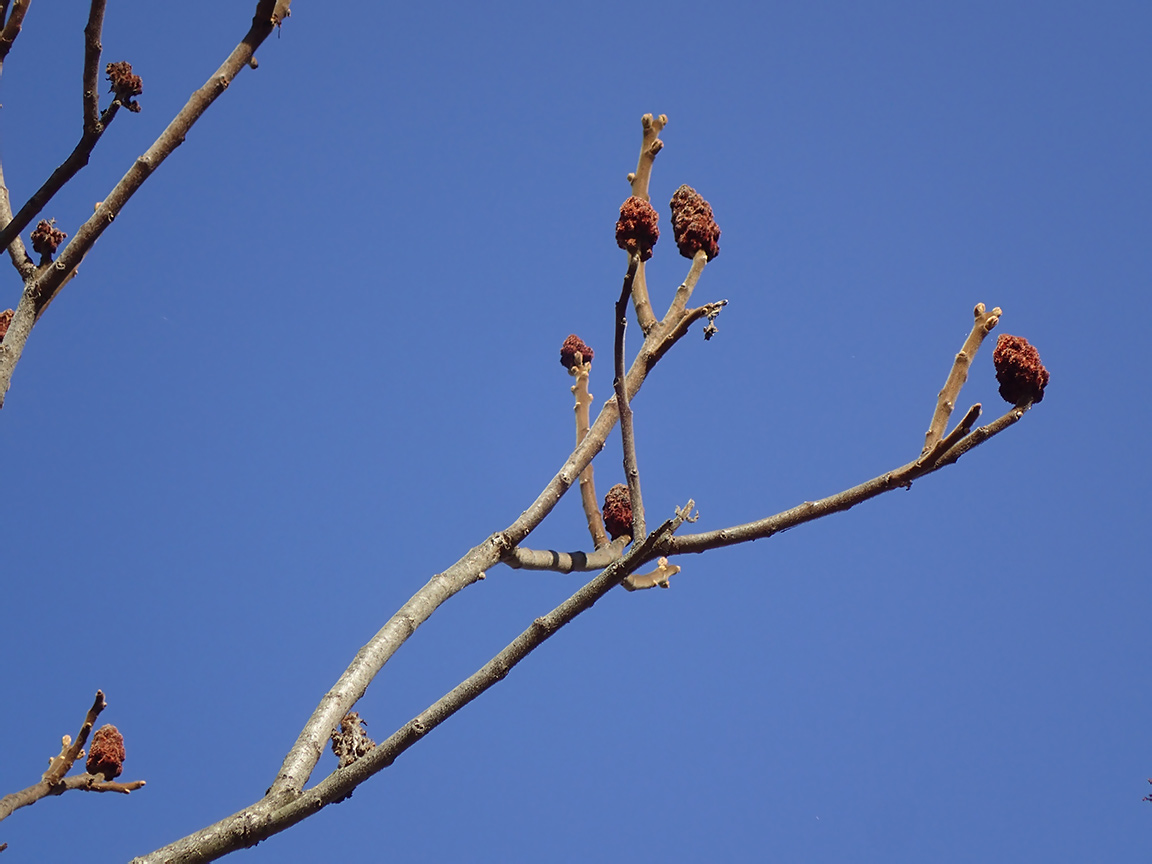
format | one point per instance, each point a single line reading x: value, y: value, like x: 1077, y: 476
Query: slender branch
x: 71, y: 751
x: 684, y: 292
x: 67, y: 169
x: 269, y: 816
x: 982, y: 434
x: 91, y: 78
x: 809, y: 511
x: 53, y: 781
x: 16, y: 251
x: 627, y: 433
x: 565, y: 562
x: 946, y: 401
x: 49, y: 280
x: 12, y: 28
x: 650, y: 145
x: 587, y: 478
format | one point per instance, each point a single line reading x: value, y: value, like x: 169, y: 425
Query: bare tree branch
x: 11, y: 27
x: 580, y: 371
x: 272, y: 815
x: 91, y: 80
x: 946, y: 401
x: 650, y: 145
x: 627, y: 433
x: 53, y: 781
x: 49, y: 280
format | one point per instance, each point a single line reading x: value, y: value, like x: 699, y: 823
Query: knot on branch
x: 125, y: 85
x: 351, y: 741
x: 574, y: 352
x: 618, y: 511
x: 636, y: 231
x: 106, y: 755
x: 1021, y: 375
x: 693, y: 224
x: 46, y: 239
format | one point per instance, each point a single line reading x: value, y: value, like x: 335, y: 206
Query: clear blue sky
x: 315, y: 360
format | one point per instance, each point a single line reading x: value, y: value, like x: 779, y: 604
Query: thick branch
x: 265, y: 818
x: 49, y: 280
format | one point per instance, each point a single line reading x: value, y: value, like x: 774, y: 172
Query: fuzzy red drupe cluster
x: 693, y: 224
x: 636, y: 231
x: 573, y: 346
x: 618, y: 511
x: 124, y: 84
x: 1021, y: 375
x: 106, y: 755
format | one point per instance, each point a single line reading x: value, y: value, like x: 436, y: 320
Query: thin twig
x: 16, y: 251
x: 49, y: 280
x: 946, y: 401
x: 809, y: 511
x: 627, y: 433
x: 650, y: 145
x: 53, y: 781
x: 91, y: 78
x: 12, y: 28
x: 71, y: 751
x: 592, y: 514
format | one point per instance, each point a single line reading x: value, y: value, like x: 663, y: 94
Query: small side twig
x: 53, y: 781
x: 587, y: 477
x: 946, y: 401
x: 650, y: 145
x: 91, y: 79
x: 627, y: 433
x: 11, y: 27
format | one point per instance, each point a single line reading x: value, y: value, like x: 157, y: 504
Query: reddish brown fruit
x: 636, y: 231
x: 124, y: 84
x: 618, y: 511
x: 572, y: 347
x: 693, y: 224
x: 1021, y: 375
x: 106, y: 755
x: 46, y: 239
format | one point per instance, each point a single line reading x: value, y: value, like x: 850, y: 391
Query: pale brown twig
x: 627, y: 433
x: 580, y: 372
x: 650, y: 145
x: 53, y: 781
x: 946, y: 401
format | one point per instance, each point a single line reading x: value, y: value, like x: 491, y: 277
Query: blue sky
x: 315, y: 361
